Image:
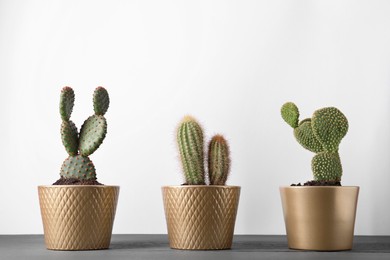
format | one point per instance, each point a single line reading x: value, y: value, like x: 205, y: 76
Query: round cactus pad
x: 326, y: 166
x: 290, y: 114
x: 79, y: 167
x: 329, y: 126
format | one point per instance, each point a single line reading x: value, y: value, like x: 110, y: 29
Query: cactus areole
x: 78, y: 168
x: 190, y: 139
x: 321, y: 134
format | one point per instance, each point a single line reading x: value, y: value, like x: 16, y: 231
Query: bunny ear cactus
x: 92, y: 133
x: 191, y: 148
x: 322, y: 135
x: 219, y: 160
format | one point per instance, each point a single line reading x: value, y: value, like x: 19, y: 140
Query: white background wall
x: 231, y: 64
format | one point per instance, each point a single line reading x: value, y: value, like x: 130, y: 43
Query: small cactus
x: 92, y: 133
x: 219, y: 160
x: 191, y: 149
x: 322, y: 135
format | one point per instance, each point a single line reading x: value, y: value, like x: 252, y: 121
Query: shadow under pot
x: 200, y: 217
x: 320, y: 218
x: 78, y: 217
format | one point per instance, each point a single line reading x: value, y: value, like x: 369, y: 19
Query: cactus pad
x: 92, y: 134
x: 79, y: 167
x: 101, y: 101
x: 322, y: 135
x: 69, y: 136
x: 329, y: 126
x: 290, y: 114
x: 66, y: 103
x: 218, y: 160
x: 326, y: 166
x: 305, y: 136
x: 191, y: 148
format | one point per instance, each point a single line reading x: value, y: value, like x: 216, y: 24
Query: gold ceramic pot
x: 78, y: 217
x: 320, y: 218
x: 199, y: 216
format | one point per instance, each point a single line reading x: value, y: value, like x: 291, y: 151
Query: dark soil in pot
x: 319, y: 183
x: 74, y: 181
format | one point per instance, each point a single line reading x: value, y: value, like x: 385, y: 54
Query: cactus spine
x: 219, y: 160
x: 191, y: 149
x: 92, y: 133
x: 322, y: 135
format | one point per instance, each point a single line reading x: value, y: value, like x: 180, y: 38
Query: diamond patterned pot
x: 78, y: 217
x: 199, y: 216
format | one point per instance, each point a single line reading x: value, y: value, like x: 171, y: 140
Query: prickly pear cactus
x: 305, y: 136
x: 322, y: 135
x: 92, y: 133
x: 66, y: 103
x: 78, y: 167
x: 329, y: 126
x: 218, y: 160
x: 101, y: 101
x: 326, y: 166
x: 191, y: 149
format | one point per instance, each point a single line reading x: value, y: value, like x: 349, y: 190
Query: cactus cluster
x: 322, y: 135
x: 92, y: 133
x: 190, y: 140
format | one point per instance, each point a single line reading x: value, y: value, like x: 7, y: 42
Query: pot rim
x: 317, y: 187
x: 78, y: 186
x: 200, y: 186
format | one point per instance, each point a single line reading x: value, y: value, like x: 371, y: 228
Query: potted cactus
x: 201, y: 216
x: 77, y: 211
x: 320, y: 215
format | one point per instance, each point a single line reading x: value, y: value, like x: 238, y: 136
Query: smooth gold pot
x: 78, y: 217
x: 320, y: 218
x: 199, y: 216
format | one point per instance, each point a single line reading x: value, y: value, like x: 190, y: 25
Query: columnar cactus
x: 191, y: 149
x: 92, y: 133
x: 219, y: 160
x: 322, y: 135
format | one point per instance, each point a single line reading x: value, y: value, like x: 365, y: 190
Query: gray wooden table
x: 146, y: 247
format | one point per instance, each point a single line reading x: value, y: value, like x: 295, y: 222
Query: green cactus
x: 290, y: 114
x: 78, y: 167
x: 70, y: 137
x: 218, y: 160
x: 66, y: 103
x: 322, y: 135
x: 101, y: 101
x: 326, y: 166
x: 329, y: 126
x: 92, y: 133
x: 305, y: 136
x: 191, y: 148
